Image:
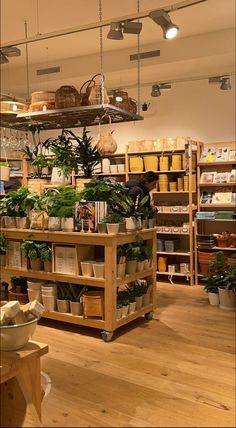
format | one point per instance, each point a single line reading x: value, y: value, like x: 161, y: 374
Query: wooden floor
x: 174, y: 371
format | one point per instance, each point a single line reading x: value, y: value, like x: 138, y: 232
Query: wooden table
x: 24, y: 366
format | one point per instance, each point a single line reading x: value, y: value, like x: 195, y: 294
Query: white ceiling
x: 211, y: 16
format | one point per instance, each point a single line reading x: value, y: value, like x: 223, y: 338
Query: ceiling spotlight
x: 155, y: 91
x: 115, y: 32
x: 225, y: 84
x: 161, y: 17
x: 132, y: 27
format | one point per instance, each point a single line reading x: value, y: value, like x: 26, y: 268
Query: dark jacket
x: 136, y: 188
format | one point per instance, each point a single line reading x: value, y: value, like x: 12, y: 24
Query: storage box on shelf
x: 216, y: 192
x: 96, y: 247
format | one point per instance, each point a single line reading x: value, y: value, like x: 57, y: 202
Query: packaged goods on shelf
x: 222, y: 198
x: 65, y: 259
x: 88, y: 215
x: 232, y: 176
x: 15, y: 256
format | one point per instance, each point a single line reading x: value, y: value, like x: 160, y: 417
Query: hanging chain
x: 138, y: 63
x: 101, y: 53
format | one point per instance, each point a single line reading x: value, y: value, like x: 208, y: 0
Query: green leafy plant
x: 147, y: 213
x: 60, y: 202
x: 123, y: 298
x: 31, y: 249
x: 113, y: 218
x: 63, y: 292
x: 3, y: 244
x: 229, y: 281
x: 137, y: 289
x: 64, y: 153
x: 101, y: 190
x: 75, y: 292
x: 45, y: 251
x: 18, y: 202
x: 37, y: 159
x: 218, y: 270
x: 87, y: 156
x: 127, y: 207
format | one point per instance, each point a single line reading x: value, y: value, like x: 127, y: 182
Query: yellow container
x: 164, y: 163
x: 136, y: 164
x: 162, y: 264
x: 176, y: 162
x: 150, y: 163
x: 173, y: 186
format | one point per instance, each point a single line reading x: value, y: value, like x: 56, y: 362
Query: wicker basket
x: 21, y: 297
x: 13, y: 107
x: 93, y: 304
x: 42, y: 106
x: 42, y: 96
x: 66, y: 97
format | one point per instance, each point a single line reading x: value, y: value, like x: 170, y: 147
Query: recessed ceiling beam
x: 92, y: 26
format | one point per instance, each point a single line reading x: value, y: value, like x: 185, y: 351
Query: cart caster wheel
x: 107, y: 335
x: 149, y: 316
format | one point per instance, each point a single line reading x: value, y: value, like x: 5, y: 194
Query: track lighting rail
x: 104, y: 23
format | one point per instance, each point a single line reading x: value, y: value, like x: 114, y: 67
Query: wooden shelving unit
x: 109, y: 284
x: 208, y: 226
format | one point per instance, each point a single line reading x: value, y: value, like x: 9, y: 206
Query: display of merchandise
x: 205, y: 242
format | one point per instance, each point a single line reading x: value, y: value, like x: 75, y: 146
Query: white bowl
x: 14, y: 337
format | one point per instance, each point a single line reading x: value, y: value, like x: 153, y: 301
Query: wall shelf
x: 219, y: 163
x: 173, y: 274
x: 217, y: 184
x: 174, y: 253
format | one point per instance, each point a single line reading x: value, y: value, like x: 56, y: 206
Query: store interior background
x: 203, y: 47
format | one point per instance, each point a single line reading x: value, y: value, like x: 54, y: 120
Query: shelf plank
x: 133, y: 277
x: 160, y: 152
x: 217, y: 205
x: 224, y: 248
x: 231, y: 162
x: 74, y: 319
x: 174, y: 193
x: 173, y: 274
x: 217, y: 184
x: 172, y: 233
x: 174, y: 253
x: 217, y: 219
x: 161, y: 172
x: 105, y: 174
x: 79, y: 279
x: 134, y: 315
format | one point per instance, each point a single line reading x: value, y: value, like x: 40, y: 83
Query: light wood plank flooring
x: 174, y: 371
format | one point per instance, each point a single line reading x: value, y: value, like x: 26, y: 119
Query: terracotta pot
x: 36, y: 264
x: 222, y: 242
x: 162, y: 264
x: 4, y: 173
x: 21, y: 297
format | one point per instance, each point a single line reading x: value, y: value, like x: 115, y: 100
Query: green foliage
x: 100, y: 190
x: 147, y: 213
x: 123, y: 298
x: 137, y: 289
x: 64, y: 153
x: 19, y: 282
x: 18, y: 202
x: 220, y: 275
x: 60, y: 202
x: 87, y: 156
x: 76, y: 291
x: 37, y: 159
x: 37, y: 250
x: 127, y: 207
x: 4, y: 164
x: 3, y: 244
x: 113, y: 218
x: 136, y: 251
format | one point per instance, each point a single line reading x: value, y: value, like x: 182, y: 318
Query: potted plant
x: 17, y: 204
x: 8, y: 212
x: 212, y: 291
x: 223, y: 239
x: 136, y: 291
x: 129, y: 209
x: 63, y: 296
x: 45, y: 250
x: 113, y: 221
x: 76, y: 292
x: 148, y: 217
x: 50, y: 203
x: 87, y: 156
x: 18, y: 290
x: 132, y: 253
x: 3, y: 250
x: 227, y: 290
x: 118, y: 310
x: 32, y: 250
x: 39, y: 161
x: 66, y: 199
x: 4, y: 171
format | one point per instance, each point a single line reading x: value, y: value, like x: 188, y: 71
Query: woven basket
x: 21, y: 297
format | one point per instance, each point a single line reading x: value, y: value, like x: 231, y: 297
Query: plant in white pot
x: 16, y: 205
x: 76, y: 292
x: 113, y: 221
x: 3, y: 250
x: 32, y: 251
x: 67, y: 198
x: 132, y: 254
x: 46, y: 256
x: 63, y: 297
x: 136, y: 291
x: 129, y: 209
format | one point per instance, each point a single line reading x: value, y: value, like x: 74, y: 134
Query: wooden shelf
x: 104, y: 174
x: 160, y: 152
x: 217, y: 205
x: 224, y: 248
x: 79, y: 279
x: 174, y: 253
x: 217, y: 185
x: 172, y: 233
x: 217, y: 219
x: 74, y: 319
x: 133, y: 316
x: 174, y: 193
x: 133, y: 277
x: 162, y: 172
x: 173, y: 274
x: 219, y: 163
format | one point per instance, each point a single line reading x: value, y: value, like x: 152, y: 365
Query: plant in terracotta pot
x: 233, y: 239
x: 132, y: 254
x: 137, y: 290
x: 121, y: 261
x: 18, y: 290
x: 223, y: 239
x: 113, y: 221
x: 32, y: 251
x: 45, y: 250
x: 3, y: 249
x: 227, y: 290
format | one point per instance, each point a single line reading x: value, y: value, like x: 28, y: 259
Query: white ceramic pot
x: 49, y: 292
x: 151, y: 223
x: 58, y: 177
x: 14, y: 337
x: 125, y: 310
x: 121, y: 167
x: 140, y: 266
x: 113, y: 168
x: 106, y: 165
x: 35, y: 285
x: 131, y: 267
x: 118, y: 313
x: 67, y: 224
x: 10, y: 222
x: 113, y: 229
x: 102, y: 228
x: 132, y: 307
x: 76, y: 308
x: 121, y: 270
x: 49, y: 302
x: 47, y: 266
x: 87, y: 268
x: 131, y: 224
x: 147, y: 264
x: 63, y: 305
x: 22, y: 222
x: 36, y: 264
x: 54, y: 223
x: 146, y: 299
x: 34, y: 295
x: 227, y: 299
x: 4, y: 173
x: 98, y: 269
x: 139, y: 302
x: 3, y: 260
x: 214, y: 299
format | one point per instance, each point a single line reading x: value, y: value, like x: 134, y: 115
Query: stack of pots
x: 164, y: 163
x: 163, y: 183
x: 34, y: 290
x: 205, y: 259
x: 49, y: 296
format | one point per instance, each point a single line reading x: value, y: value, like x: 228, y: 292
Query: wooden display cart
x: 109, y: 242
